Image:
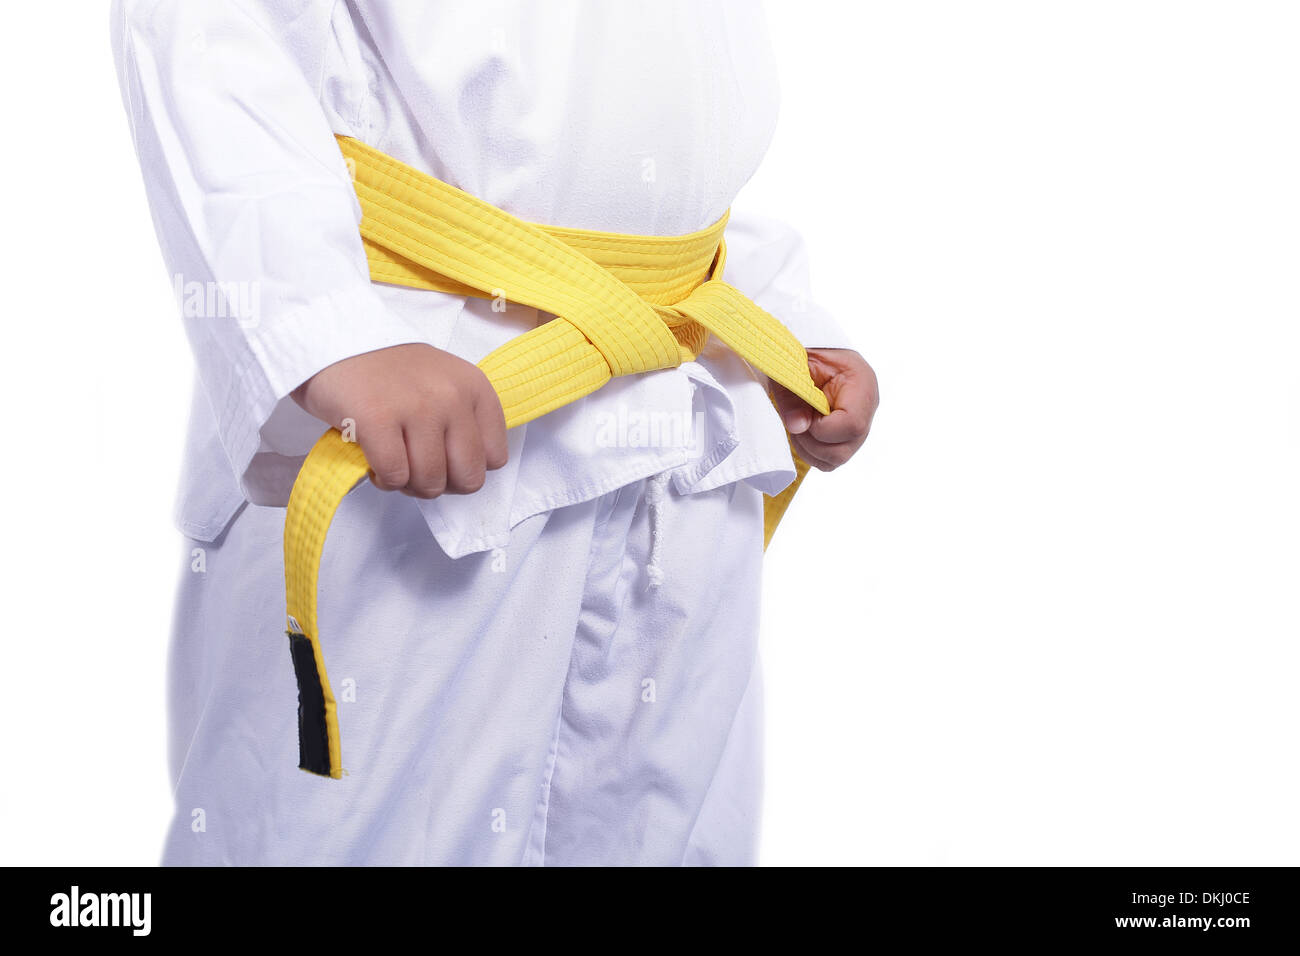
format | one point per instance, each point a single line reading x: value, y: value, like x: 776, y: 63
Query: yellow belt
x: 623, y: 304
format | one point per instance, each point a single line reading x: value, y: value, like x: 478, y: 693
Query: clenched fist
x: 428, y: 422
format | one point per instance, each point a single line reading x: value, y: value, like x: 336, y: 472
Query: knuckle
x: 436, y: 387
x: 429, y: 488
x: 388, y: 466
x: 388, y: 473
x: 471, y: 482
x: 390, y: 479
x: 479, y: 379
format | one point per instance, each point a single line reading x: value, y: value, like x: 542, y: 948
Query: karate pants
x: 536, y: 705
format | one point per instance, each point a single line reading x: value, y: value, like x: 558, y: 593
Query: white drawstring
x: 656, y: 492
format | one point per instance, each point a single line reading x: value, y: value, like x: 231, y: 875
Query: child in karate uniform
x: 543, y: 639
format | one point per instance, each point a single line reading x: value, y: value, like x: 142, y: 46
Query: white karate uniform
x: 561, y: 667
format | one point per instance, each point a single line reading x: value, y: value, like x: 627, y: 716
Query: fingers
x: 831, y: 440
x: 466, y: 470
x: 428, y: 422
x: 853, y: 400
x: 851, y: 388
x: 823, y: 441
x: 491, y: 420
x: 427, y: 460
x: 385, y: 452
x: 799, y: 419
x: 844, y: 424
x: 794, y: 411
x: 824, y: 456
x: 453, y: 458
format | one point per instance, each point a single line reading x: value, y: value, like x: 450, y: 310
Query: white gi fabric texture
x: 536, y: 705
x: 617, y: 116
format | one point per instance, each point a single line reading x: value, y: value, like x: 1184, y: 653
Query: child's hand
x: 428, y: 421
x: 828, y: 441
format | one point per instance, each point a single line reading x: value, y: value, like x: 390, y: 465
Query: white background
x: 1048, y: 616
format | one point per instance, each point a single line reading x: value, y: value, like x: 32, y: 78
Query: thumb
x: 795, y: 413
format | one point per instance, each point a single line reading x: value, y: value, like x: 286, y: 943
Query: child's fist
x: 428, y: 422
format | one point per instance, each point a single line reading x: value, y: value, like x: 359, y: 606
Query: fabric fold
x: 706, y: 423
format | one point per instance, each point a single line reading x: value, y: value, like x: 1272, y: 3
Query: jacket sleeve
x: 768, y: 261
x: 254, y: 211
